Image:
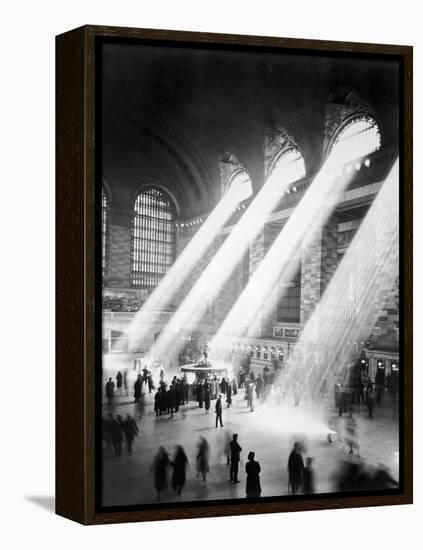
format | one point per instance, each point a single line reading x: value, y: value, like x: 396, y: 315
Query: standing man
x: 259, y: 386
x: 119, y: 379
x: 110, y: 386
x: 235, y: 458
x: 137, y: 389
x: 144, y: 375
x: 218, y: 410
x: 125, y: 381
x: 252, y: 469
x: 207, y: 398
x: 229, y: 395
x: 295, y: 469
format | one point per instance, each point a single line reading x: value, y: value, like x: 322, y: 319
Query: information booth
x: 196, y: 372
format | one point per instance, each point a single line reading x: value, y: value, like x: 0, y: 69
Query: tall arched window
x: 289, y: 167
x: 289, y: 304
x: 153, y: 238
x: 358, y: 133
x: 105, y: 215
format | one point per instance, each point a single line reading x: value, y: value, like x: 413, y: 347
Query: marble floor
x: 269, y: 431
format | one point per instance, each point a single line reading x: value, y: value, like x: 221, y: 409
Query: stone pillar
x: 267, y: 317
x: 183, y: 237
x: 318, y: 264
x: 119, y: 272
x: 230, y: 290
x: 385, y: 332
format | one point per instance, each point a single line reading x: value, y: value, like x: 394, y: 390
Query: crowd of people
x: 179, y: 463
x: 167, y: 400
x: 169, y: 397
x: 116, y: 430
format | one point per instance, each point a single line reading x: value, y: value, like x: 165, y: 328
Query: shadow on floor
x: 46, y: 502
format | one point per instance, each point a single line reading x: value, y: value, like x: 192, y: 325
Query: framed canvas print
x: 234, y: 275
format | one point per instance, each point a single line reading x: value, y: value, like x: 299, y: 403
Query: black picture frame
x: 78, y: 294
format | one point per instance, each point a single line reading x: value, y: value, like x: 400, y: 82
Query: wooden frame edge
x: 75, y: 496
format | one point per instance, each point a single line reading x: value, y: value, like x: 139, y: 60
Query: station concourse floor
x: 268, y: 431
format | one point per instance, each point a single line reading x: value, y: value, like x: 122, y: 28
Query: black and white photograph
x: 251, y: 289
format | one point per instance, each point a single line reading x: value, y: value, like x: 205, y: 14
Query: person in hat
x: 252, y: 469
x: 308, y: 477
x: 295, y: 469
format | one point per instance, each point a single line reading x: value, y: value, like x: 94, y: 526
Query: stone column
x: 229, y: 292
x: 119, y: 273
x: 385, y: 332
x: 318, y: 264
x: 267, y: 317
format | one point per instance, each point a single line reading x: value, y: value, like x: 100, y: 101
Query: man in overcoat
x: 235, y: 458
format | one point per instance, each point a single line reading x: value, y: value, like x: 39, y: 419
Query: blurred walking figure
x: 229, y: 395
x: 259, y: 386
x: 116, y: 430
x: 137, y: 388
x: 108, y: 430
x: 110, y: 387
x: 179, y: 463
x: 130, y: 431
x: 295, y: 469
x: 160, y: 464
x: 139, y: 408
x: 203, y: 458
x: 308, y: 474
x: 150, y: 382
x: 226, y: 450
x: 218, y: 409
x: 252, y: 469
x: 119, y: 379
x: 125, y: 382
x: 250, y: 395
x: 351, y: 438
x: 144, y: 375
x: 297, y: 394
x: 235, y: 458
x: 206, y: 400
x: 370, y: 401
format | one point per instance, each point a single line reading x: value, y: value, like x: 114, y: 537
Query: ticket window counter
x: 393, y: 368
x: 365, y: 366
x: 393, y: 380
x: 380, y: 372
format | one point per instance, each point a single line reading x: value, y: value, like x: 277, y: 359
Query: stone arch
x: 230, y: 168
x: 343, y: 106
x: 147, y: 182
x: 276, y: 142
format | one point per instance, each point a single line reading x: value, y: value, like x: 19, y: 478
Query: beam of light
x: 290, y: 421
x: 371, y: 267
x: 289, y: 169
x: 195, y: 250
x: 279, y: 264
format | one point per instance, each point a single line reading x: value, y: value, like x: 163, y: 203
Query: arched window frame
x: 282, y: 153
x: 152, y: 238
x: 289, y: 303
x: 347, y: 123
x: 241, y: 173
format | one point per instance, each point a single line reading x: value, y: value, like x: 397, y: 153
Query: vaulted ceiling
x: 169, y: 114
